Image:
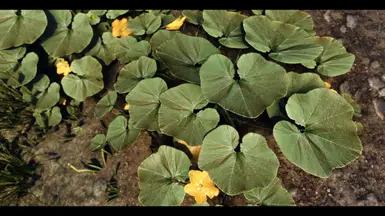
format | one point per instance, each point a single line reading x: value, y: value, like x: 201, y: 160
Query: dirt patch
x: 360, y: 183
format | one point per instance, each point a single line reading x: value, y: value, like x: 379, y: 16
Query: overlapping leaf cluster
x: 179, y: 84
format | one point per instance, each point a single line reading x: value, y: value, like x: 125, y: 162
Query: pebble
x: 99, y: 188
x: 327, y: 15
x: 383, y: 77
x: 375, y: 64
x: 382, y: 92
x: 379, y: 106
x: 344, y: 87
x: 343, y: 29
x: 371, y: 197
x: 328, y: 190
x: 365, y: 61
x: 351, y: 21
x: 376, y: 83
x: 293, y: 192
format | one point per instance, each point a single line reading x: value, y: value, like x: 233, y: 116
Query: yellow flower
x: 328, y: 85
x: 201, y: 186
x: 176, y: 24
x: 64, y: 102
x: 127, y: 107
x: 333, y: 91
x: 195, y: 150
x: 119, y: 28
x: 62, y: 67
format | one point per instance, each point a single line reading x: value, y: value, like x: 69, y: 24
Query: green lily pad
x: 146, y: 23
x: 101, y: 52
x: 32, y: 90
x: 133, y: 72
x: 112, y: 14
x: 329, y: 139
x: 261, y: 82
x: 98, y: 12
x: 86, y: 79
x: 334, y: 60
x: 255, y: 165
x: 98, y: 142
x: 145, y: 103
x: 48, y: 118
x: 160, y: 37
x: 48, y: 97
x: 166, y: 19
x: 66, y: 41
x: 26, y: 28
x: 356, y: 107
x: 193, y: 16
x: 158, y: 12
x: 203, y: 204
x: 9, y: 60
x: 106, y: 104
x: 227, y: 26
x: 26, y: 72
x: 294, y: 17
x: 157, y: 174
x: 179, y: 114
x: 126, y: 49
x: 298, y: 83
x: 184, y: 54
x: 272, y: 195
x: 285, y: 43
x: 120, y: 133
x: 257, y: 12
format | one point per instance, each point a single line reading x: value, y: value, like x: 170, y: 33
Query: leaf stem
x: 197, y: 32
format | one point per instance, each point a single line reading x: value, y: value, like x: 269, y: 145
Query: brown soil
x: 360, y: 183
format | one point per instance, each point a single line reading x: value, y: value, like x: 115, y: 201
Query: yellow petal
x: 196, y: 176
x: 115, y: 23
x: 206, y: 180
x: 191, y: 189
x: 200, y: 197
x: 125, y: 33
x: 327, y: 85
x: 127, y: 107
x: 115, y: 33
x: 176, y: 24
x: 334, y: 91
x: 64, y: 102
x: 211, y: 191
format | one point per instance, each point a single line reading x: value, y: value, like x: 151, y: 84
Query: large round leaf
x: 177, y: 117
x: 145, y: 103
x: 112, y: 14
x: 255, y: 165
x: 32, y: 90
x: 9, y: 60
x: 26, y: 72
x: 329, y: 139
x: 193, y: 16
x: 47, y: 118
x: 87, y: 81
x: 101, y: 52
x: 135, y: 71
x: 98, y: 12
x: 49, y: 97
x: 225, y: 25
x: 120, y: 133
x: 334, y: 60
x: 25, y: 28
x: 294, y: 17
x: 184, y: 54
x: 126, y: 49
x: 261, y: 83
x: 146, y: 23
x: 159, y: 37
x: 272, y: 195
x: 106, y: 104
x: 66, y: 41
x: 285, y: 42
x: 158, y: 175
x: 298, y: 83
x: 98, y: 142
